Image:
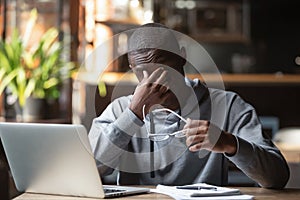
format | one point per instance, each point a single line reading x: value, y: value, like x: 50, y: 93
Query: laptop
x: 55, y: 159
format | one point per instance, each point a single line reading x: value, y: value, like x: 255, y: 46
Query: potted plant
x: 33, y: 74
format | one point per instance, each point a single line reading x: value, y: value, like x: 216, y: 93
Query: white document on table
x: 211, y: 193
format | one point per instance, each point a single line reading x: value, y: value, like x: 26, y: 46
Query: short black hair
x: 154, y: 37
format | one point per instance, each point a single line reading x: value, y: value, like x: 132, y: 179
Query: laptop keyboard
x: 112, y: 190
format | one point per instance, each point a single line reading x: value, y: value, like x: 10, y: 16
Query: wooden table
x: 258, y: 193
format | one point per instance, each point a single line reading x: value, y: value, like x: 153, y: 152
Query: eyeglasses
x: 163, y: 136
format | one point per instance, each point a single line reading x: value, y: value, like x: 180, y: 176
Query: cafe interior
x: 254, y: 46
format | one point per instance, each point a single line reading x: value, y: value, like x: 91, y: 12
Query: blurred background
x: 255, y: 45
x: 243, y: 37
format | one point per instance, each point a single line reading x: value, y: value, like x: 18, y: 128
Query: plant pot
x: 34, y: 109
x: 52, y: 109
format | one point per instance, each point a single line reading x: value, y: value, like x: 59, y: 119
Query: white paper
x: 186, y: 194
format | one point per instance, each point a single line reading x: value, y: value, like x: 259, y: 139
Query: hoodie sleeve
x: 256, y: 155
x: 111, y: 133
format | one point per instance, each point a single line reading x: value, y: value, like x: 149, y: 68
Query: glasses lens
x: 180, y: 134
x: 157, y: 138
x: 160, y: 125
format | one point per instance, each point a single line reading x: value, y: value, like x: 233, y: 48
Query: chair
x: 270, y: 125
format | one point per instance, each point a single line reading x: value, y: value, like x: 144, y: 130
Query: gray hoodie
x: 119, y: 141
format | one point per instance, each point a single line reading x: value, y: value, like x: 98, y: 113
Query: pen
x: 197, y: 187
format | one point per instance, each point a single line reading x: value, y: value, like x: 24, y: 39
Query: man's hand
x: 151, y: 90
x: 201, y: 134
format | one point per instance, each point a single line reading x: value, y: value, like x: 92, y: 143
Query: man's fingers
x: 200, y: 130
x: 164, y: 89
x: 196, y: 123
x: 158, y: 80
x: 155, y: 75
x: 195, y: 139
x: 196, y: 147
x: 162, y: 78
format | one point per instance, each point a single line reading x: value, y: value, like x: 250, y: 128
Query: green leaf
x: 2, y: 73
x: 102, y: 89
x: 21, y: 78
x: 30, y: 87
x: 28, y: 59
x: 9, y: 53
x: 7, y: 80
x: 4, y: 62
x: 49, y: 38
x: 50, y: 83
x: 29, y: 26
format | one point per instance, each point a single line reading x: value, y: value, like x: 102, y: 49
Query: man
x: 192, y: 138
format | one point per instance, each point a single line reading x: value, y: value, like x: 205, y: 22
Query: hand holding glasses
x: 165, y: 136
